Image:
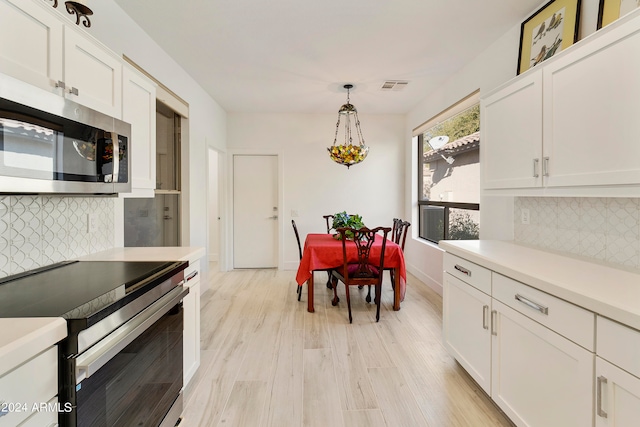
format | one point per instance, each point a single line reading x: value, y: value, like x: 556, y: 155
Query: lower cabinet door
x: 539, y: 378
x: 466, y: 334
x: 617, y: 396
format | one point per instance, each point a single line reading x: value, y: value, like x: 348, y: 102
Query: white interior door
x: 255, y: 211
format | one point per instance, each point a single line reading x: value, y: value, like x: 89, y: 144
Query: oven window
x: 138, y: 386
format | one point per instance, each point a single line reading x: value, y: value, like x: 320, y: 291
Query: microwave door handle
x: 116, y: 156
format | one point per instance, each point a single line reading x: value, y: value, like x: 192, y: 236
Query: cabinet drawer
x: 46, y: 417
x: 473, y: 274
x: 33, y: 382
x: 571, y: 321
x: 619, y: 345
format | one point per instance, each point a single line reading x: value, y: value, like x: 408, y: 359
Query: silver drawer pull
x: 601, y: 413
x: 542, y: 309
x: 191, y: 276
x: 485, y: 313
x: 463, y: 270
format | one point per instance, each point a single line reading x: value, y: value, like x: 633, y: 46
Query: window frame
x: 465, y: 103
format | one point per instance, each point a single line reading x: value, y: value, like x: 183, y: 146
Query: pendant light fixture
x: 348, y: 153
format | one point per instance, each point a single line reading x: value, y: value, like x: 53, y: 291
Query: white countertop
x: 173, y: 253
x: 611, y: 292
x: 24, y: 338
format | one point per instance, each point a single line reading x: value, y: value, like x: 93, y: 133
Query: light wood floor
x: 266, y: 361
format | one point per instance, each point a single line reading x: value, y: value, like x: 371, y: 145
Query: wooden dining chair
x: 399, y: 237
x: 329, y: 220
x: 295, y: 231
x: 365, y: 271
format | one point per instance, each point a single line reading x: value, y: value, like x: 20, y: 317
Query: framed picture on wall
x: 610, y: 10
x: 548, y: 31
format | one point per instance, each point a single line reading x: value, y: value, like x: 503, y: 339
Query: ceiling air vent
x: 395, y: 85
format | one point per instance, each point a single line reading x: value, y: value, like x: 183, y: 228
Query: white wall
x: 214, y: 206
x: 491, y: 68
x: 313, y: 184
x: 207, y: 120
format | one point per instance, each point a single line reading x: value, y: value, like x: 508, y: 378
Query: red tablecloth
x: 323, y: 252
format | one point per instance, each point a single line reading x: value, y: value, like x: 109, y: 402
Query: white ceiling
x: 295, y: 55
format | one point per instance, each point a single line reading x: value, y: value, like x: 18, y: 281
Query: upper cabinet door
x: 592, y: 110
x: 93, y: 75
x: 511, y: 134
x: 139, y: 109
x: 31, y: 44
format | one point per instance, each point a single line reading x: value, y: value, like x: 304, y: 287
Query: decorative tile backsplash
x: 40, y: 230
x: 605, y: 229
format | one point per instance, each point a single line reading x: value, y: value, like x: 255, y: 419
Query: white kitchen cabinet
x: 466, y: 334
x: 44, y: 418
x: 530, y: 351
x: 617, y: 378
x: 591, y: 103
x: 32, y: 383
x: 511, y: 134
x: 539, y: 378
x: 570, y: 122
x: 40, y: 48
x: 139, y: 110
x: 191, y: 336
x: 31, y: 40
x: 92, y: 74
x: 617, y: 396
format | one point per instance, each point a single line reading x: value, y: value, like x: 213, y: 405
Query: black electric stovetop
x: 84, y: 291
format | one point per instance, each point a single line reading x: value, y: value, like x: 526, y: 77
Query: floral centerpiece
x: 343, y: 219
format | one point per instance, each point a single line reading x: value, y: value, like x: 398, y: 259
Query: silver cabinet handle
x: 115, y: 140
x: 545, y: 166
x: 541, y: 308
x: 601, y: 413
x: 536, y: 163
x: 494, y: 322
x: 61, y: 84
x: 463, y: 270
x: 191, y: 276
x: 485, y: 312
x: 73, y: 91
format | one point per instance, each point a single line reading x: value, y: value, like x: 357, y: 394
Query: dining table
x: 323, y: 252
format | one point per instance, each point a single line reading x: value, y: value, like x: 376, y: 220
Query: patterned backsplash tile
x: 41, y: 230
x: 605, y: 229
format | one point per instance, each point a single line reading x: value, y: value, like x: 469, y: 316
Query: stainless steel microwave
x: 49, y: 144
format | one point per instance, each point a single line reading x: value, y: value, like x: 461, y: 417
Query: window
x: 449, y: 173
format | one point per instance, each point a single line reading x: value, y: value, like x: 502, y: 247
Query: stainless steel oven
x: 133, y: 376
x: 49, y: 144
x: 122, y: 361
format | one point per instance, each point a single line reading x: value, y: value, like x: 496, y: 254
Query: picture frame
x: 610, y: 10
x: 551, y: 29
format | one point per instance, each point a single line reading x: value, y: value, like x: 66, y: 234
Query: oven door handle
x: 89, y: 362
